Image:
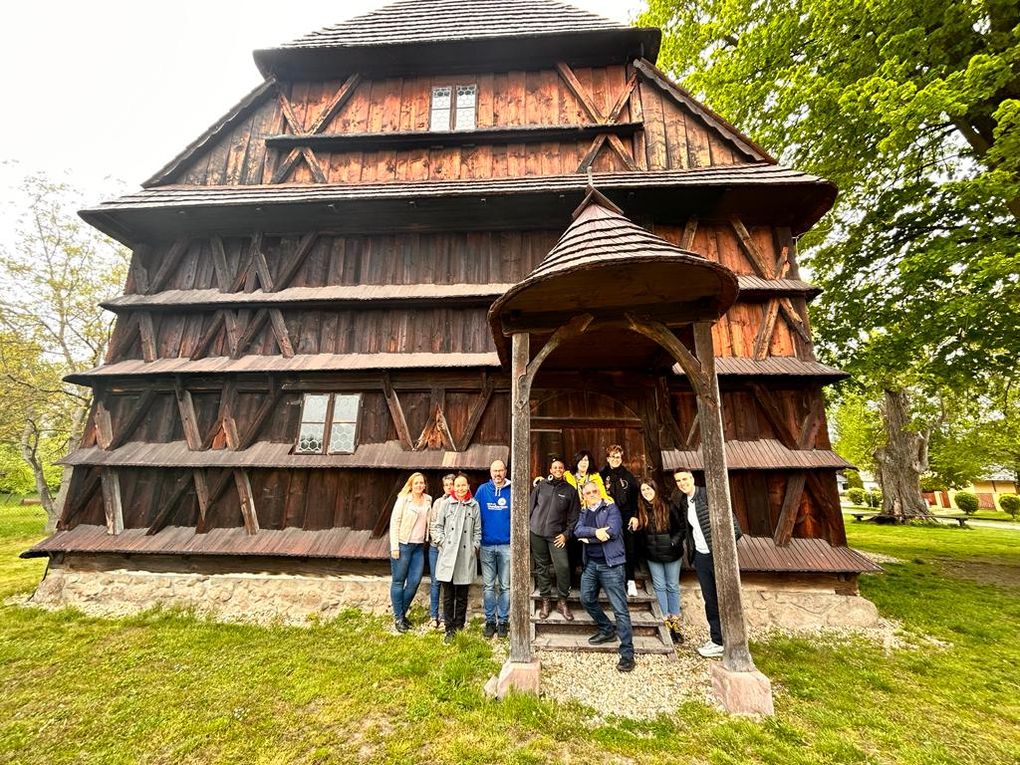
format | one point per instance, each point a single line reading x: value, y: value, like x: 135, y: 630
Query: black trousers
x: 705, y: 569
x: 547, y: 555
x: 455, y: 597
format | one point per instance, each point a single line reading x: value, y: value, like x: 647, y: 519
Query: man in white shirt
x: 692, y: 504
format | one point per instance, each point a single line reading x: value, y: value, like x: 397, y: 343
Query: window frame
x: 327, y: 431
x: 451, y: 110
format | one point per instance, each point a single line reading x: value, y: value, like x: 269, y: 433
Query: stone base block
x: 742, y: 693
x: 522, y: 677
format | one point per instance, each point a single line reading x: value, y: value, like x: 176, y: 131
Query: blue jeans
x: 496, y: 582
x: 613, y: 580
x: 406, y: 571
x: 666, y: 583
x: 434, y: 590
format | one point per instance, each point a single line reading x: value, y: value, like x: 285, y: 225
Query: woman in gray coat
x: 457, y: 532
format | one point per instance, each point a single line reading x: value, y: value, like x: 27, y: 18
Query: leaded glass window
x: 329, y: 423
x: 453, y: 107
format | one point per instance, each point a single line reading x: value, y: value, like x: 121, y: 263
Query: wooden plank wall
x: 674, y: 137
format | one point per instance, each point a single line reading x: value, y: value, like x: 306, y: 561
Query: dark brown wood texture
x: 674, y: 136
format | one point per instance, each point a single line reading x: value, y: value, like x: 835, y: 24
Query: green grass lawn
x: 165, y: 687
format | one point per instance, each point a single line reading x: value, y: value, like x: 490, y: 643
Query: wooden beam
x: 104, y: 424
x: 580, y: 93
x: 169, y: 264
x: 111, y: 501
x: 793, y: 319
x: 576, y: 326
x: 268, y: 406
x: 617, y: 110
x: 763, y: 339
x: 296, y: 260
x: 233, y: 331
x: 77, y: 502
x: 826, y: 501
x: 736, y: 656
x: 202, y: 494
x: 664, y: 413
x: 337, y: 103
x: 261, y: 266
x: 166, y: 510
x: 138, y: 271
x: 189, y: 420
x: 220, y: 268
x: 397, y: 414
x: 142, y: 408
x: 247, y: 499
x: 593, y: 151
x: 791, y: 507
x: 775, y: 416
x: 690, y: 230
x: 476, y: 414
x: 617, y: 145
x: 121, y: 340
x: 147, y: 334
x: 661, y: 334
x: 254, y: 327
x: 244, y: 266
x: 288, y: 112
x: 761, y: 265
x: 520, y: 450
x: 318, y: 173
x: 692, y: 434
x: 206, y: 340
x: 284, y: 168
x: 282, y: 335
x: 810, y: 427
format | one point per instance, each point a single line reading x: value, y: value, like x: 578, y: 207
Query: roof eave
x: 466, y: 54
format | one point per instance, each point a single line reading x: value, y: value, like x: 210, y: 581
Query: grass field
x: 165, y: 687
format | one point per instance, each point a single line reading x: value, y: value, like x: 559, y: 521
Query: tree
x: 913, y: 109
x: 51, y: 325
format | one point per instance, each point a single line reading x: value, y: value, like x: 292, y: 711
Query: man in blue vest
x: 494, y: 500
x: 600, y: 529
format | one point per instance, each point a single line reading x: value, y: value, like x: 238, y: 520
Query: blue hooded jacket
x: 604, y: 515
x: 495, y: 507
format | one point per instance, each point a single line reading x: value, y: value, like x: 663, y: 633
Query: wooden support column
x: 247, y: 498
x: 520, y: 532
x: 111, y: 501
x: 737, y: 657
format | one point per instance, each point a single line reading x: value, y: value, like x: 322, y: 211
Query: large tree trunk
x: 901, y: 461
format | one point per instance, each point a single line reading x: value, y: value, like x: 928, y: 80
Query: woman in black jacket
x: 663, y: 531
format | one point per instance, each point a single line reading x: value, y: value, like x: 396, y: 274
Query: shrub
x: 966, y: 501
x: 856, y: 495
x: 1010, y: 503
x: 853, y: 479
x: 874, y: 498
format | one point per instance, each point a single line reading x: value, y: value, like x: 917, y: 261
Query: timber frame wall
x: 223, y: 327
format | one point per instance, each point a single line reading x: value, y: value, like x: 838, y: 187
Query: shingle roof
x: 415, y: 21
x: 763, y: 454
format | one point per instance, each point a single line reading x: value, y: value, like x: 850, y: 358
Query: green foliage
x: 874, y: 498
x: 857, y: 427
x: 966, y: 502
x: 1010, y: 503
x: 853, y: 479
x: 15, y: 476
x: 857, y: 495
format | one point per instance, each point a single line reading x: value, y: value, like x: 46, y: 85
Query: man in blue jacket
x: 494, y: 500
x: 600, y: 529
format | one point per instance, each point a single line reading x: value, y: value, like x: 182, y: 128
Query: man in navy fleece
x: 494, y: 500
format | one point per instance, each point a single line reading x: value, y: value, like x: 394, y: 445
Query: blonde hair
x: 410, y: 481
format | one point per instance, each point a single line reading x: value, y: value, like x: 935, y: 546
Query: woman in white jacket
x: 409, y: 530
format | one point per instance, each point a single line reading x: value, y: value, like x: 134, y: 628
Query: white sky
x: 104, y: 93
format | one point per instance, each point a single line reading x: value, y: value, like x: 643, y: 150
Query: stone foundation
x: 294, y: 592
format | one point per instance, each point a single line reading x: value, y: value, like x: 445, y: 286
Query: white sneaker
x: 631, y: 589
x: 711, y: 650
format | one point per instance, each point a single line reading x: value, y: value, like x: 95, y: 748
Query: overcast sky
x: 104, y: 93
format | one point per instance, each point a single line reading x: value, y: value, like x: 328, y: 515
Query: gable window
x: 453, y: 107
x: 329, y: 423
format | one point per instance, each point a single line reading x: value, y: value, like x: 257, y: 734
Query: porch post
x: 737, y: 684
x: 521, y: 671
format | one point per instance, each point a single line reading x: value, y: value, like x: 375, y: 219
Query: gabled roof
x: 447, y: 34
x: 414, y: 21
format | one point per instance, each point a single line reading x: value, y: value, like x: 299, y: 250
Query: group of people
x: 604, y: 521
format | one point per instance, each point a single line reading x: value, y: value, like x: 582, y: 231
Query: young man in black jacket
x: 554, y: 510
x: 692, y: 503
x: 623, y: 488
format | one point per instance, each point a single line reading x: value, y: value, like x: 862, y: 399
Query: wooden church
x: 305, y: 320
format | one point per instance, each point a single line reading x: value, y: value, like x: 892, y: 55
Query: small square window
x: 453, y: 107
x: 329, y: 423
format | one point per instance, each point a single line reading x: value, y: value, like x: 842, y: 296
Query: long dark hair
x: 580, y: 456
x: 655, y: 511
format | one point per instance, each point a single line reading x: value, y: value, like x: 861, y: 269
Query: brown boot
x: 564, y: 609
x: 545, y: 608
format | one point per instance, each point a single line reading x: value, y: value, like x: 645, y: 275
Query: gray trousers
x: 546, y: 555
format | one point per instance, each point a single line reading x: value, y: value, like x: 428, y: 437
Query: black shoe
x: 503, y: 629
x: 407, y: 624
x: 602, y: 637
x: 625, y: 664
x: 449, y: 637
x: 490, y: 630
x: 677, y: 636
x: 400, y: 625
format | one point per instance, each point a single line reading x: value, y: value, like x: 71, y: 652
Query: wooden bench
x: 961, y: 519
x: 861, y: 515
